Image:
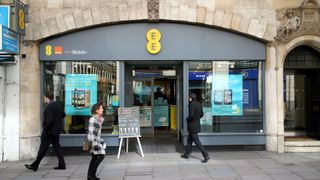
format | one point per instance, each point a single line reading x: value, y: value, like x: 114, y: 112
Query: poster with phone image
x: 227, y: 95
x: 81, y: 93
x: 218, y: 96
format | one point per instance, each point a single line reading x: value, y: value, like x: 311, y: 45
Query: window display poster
x: 115, y: 101
x: 207, y: 116
x: 145, y: 116
x: 161, y: 116
x: 227, y: 95
x: 81, y: 93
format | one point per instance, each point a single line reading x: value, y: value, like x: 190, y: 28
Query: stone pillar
x: 271, y: 96
x: 30, y: 101
x: 280, y: 107
x: 281, y: 55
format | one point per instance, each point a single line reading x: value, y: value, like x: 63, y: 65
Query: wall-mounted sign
x: 81, y: 93
x: 21, y: 17
x: 153, y: 41
x: 5, y: 15
x: 8, y: 40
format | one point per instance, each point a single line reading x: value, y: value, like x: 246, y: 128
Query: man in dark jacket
x: 52, y: 126
x: 195, y: 113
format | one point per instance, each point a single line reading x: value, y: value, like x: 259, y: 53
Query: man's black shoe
x: 59, y: 168
x: 92, y: 178
x: 29, y: 166
x: 184, y: 156
x: 206, y: 159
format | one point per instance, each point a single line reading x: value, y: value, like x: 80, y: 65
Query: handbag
x: 86, y: 145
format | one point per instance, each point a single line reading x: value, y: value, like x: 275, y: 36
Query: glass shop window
x: 79, y: 85
x: 231, y: 95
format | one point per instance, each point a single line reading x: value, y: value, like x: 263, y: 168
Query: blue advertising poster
x: 4, y: 15
x: 8, y: 40
x: 227, y: 95
x: 207, y: 116
x: 81, y: 93
x: 161, y: 116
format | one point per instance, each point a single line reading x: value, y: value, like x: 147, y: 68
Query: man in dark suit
x: 52, y: 126
x: 195, y: 113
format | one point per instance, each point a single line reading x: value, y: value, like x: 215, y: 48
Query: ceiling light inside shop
x: 168, y: 72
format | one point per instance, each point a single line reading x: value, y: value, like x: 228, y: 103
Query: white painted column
x: 11, y: 123
x: 1, y: 109
x: 271, y: 96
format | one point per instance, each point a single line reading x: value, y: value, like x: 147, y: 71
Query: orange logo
x: 58, y: 50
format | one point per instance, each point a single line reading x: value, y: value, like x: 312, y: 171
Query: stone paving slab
x: 231, y: 165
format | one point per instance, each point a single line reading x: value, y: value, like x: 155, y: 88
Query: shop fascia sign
x: 60, y: 50
x: 153, y: 41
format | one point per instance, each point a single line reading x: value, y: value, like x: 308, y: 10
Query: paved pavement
x: 226, y: 165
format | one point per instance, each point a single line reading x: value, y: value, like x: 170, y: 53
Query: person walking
x: 193, y: 120
x: 97, y: 144
x: 52, y: 126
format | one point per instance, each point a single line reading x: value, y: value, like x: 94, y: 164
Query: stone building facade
x: 281, y: 25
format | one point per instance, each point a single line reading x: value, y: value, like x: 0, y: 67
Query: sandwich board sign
x: 129, y: 126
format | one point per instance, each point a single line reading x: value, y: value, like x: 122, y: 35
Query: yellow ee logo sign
x: 153, y: 44
x: 48, y: 50
x: 21, y: 19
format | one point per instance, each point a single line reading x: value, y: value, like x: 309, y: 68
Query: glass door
x: 295, y: 117
x: 143, y: 97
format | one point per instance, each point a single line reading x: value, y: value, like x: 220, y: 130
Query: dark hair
x: 49, y: 95
x: 95, y: 107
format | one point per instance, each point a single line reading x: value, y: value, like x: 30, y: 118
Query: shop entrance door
x: 157, y: 90
x: 156, y: 99
x: 142, y: 90
x: 302, y: 95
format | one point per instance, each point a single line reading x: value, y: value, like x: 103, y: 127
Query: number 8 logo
x: 21, y: 19
x: 48, y: 50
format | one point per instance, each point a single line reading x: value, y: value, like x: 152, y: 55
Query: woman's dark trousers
x: 94, y: 163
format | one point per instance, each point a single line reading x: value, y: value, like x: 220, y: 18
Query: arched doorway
x: 302, y: 94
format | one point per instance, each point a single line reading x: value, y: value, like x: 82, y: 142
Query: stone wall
x: 252, y: 17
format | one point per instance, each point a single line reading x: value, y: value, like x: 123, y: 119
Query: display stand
x: 129, y: 126
x: 127, y: 145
